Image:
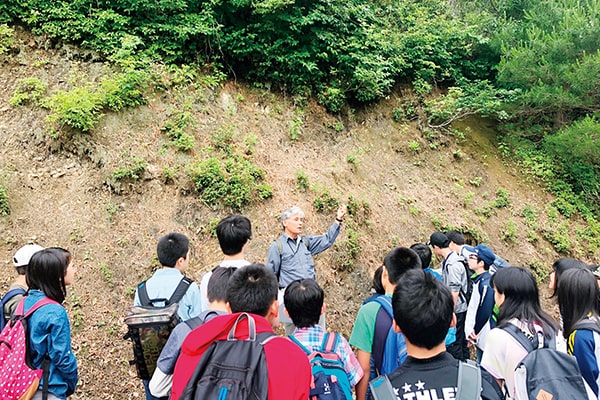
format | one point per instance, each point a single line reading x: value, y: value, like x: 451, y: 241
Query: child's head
x: 424, y: 253
x: 423, y: 308
x: 233, y: 233
x: 252, y: 289
x: 171, y: 248
x: 23, y: 256
x: 50, y: 271
x: 398, y: 261
x: 303, y: 301
x: 578, y: 297
x: 377, y: 285
x: 217, y: 284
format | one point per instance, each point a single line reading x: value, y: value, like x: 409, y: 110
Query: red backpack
x: 18, y: 380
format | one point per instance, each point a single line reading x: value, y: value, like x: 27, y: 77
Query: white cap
x: 23, y: 255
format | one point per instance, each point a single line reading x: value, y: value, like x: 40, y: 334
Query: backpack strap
x: 469, y: 380
x: 193, y: 323
x: 330, y: 342
x: 12, y: 293
x: 180, y: 290
x: 381, y: 388
x: 143, y: 295
x: 295, y: 340
x: 519, y: 336
x: 46, y: 359
x: 589, y: 324
x: 383, y: 323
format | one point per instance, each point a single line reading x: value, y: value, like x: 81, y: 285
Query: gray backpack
x: 546, y: 372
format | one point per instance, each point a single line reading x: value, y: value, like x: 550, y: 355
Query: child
x: 50, y: 271
x: 303, y: 301
x: 17, y: 289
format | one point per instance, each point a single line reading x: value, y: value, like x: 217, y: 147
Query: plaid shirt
x: 312, y: 338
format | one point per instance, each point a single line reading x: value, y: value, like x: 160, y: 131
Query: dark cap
x: 484, y: 253
x: 439, y: 239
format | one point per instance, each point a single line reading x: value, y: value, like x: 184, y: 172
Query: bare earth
x: 58, y: 197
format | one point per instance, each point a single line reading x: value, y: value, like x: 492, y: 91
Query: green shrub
x: 77, y: 108
x: 4, y: 206
x: 508, y: 232
x: 502, y: 199
x: 6, y: 38
x: 234, y: 182
x: 124, y: 89
x: 324, y: 202
x: 133, y: 171
x: 302, y: 181
x: 175, y: 129
x: 348, y: 251
x: 28, y: 91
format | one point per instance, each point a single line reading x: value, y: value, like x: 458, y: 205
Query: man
x: 17, y: 289
x: 304, y: 305
x: 234, y: 233
x: 291, y: 255
x: 373, y: 319
x: 481, y: 305
x: 423, y: 312
x: 457, y: 244
x: 173, y: 251
x: 251, y: 289
x: 162, y: 379
x: 455, y: 276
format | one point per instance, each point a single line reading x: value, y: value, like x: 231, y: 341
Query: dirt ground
x: 58, y: 196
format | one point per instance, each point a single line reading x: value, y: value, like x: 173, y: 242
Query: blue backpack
x: 329, y: 379
x: 389, y: 347
x: 9, y: 295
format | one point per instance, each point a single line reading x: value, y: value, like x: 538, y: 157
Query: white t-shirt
x: 204, y: 303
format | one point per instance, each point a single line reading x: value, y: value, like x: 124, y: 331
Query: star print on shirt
x: 406, y: 387
x: 420, y: 385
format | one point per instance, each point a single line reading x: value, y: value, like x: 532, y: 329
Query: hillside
x: 403, y: 185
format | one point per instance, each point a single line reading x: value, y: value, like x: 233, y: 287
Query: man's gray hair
x: 290, y: 212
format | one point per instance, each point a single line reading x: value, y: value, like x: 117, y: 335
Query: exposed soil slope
x: 58, y: 195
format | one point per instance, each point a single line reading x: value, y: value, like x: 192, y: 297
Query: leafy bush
x: 124, y: 89
x: 324, y: 202
x: 234, y: 182
x: 175, y: 129
x: 29, y: 90
x: 77, y: 108
x: 502, y: 199
x: 6, y: 38
x: 133, y: 171
x: 4, y: 206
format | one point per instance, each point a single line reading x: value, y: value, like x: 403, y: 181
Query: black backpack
x: 467, y: 295
x: 232, y: 368
x: 149, y: 327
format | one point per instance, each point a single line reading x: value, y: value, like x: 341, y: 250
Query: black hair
x: 423, y: 308
x: 216, y: 289
x: 233, y: 233
x: 521, y: 300
x: 400, y: 260
x: 424, y: 253
x: 22, y: 270
x: 303, y: 299
x: 563, y: 264
x: 252, y: 289
x: 377, y: 284
x: 578, y: 296
x: 456, y: 237
x: 46, y: 272
x: 171, y: 248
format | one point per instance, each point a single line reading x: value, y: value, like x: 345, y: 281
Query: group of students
x: 430, y: 318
